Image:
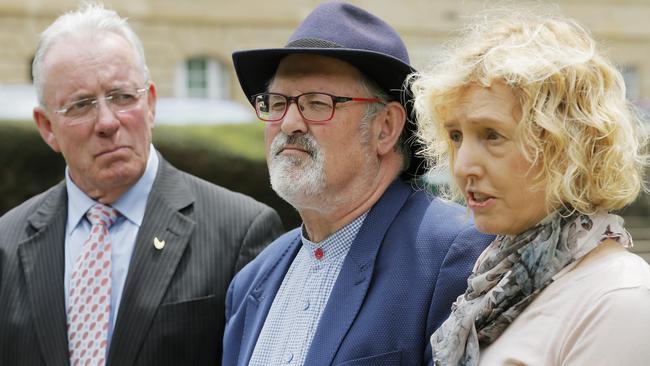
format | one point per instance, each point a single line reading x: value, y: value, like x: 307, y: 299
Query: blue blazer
x: 407, y: 265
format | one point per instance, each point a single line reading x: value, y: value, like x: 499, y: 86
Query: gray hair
x: 372, y: 88
x: 372, y: 109
x: 89, y: 18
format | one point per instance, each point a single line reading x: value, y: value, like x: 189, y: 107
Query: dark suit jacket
x: 171, y: 312
x: 408, y: 263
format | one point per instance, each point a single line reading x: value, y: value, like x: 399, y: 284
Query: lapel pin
x: 158, y: 244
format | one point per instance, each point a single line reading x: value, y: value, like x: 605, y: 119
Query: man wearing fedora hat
x: 376, y: 265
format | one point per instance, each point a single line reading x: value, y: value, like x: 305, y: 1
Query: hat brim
x: 255, y: 68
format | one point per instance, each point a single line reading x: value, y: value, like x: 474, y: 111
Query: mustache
x: 304, y: 141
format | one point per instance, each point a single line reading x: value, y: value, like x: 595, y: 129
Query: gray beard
x: 301, y: 181
x: 298, y: 181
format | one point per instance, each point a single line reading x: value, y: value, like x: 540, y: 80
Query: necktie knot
x: 101, y: 214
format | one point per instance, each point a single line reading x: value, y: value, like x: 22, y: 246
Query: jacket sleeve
x: 264, y: 228
x: 452, y: 278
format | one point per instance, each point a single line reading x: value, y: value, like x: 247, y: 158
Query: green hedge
x: 231, y: 156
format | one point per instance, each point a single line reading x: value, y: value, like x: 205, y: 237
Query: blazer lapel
x: 356, y: 274
x: 261, y: 298
x: 152, y: 269
x: 43, y: 265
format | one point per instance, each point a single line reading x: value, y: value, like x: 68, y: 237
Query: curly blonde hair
x: 576, y: 123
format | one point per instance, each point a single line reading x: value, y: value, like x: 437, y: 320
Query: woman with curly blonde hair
x: 533, y: 123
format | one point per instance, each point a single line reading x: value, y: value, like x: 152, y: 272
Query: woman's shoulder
x: 610, y: 267
x: 597, y: 302
x: 607, y: 278
x: 616, y: 316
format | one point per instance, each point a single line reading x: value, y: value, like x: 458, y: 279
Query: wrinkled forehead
x: 316, y: 67
x: 94, y: 47
x: 87, y: 65
x: 475, y: 99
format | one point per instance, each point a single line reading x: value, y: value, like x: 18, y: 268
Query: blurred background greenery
x: 230, y: 155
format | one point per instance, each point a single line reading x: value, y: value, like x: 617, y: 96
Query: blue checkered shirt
x: 296, y: 310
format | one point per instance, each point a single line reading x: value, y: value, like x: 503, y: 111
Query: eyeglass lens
x: 118, y: 101
x: 315, y: 107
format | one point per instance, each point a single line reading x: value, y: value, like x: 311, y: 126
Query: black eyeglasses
x: 313, y: 107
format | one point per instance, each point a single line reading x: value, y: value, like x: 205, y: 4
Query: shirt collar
x: 131, y: 204
x: 338, y: 243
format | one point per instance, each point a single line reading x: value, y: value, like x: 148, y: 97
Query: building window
x: 202, y: 77
x: 197, y: 77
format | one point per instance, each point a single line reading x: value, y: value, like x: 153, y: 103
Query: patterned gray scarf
x: 510, y: 273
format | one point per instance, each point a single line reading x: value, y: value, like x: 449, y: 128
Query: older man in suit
x: 127, y: 261
x: 376, y: 264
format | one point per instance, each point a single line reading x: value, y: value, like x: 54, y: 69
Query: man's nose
x: 106, y: 117
x: 293, y: 122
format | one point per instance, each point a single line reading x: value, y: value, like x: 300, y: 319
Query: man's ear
x: 44, y: 126
x: 391, y: 124
x: 152, y: 96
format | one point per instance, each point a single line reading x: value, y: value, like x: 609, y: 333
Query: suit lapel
x: 151, y: 269
x: 43, y: 265
x: 261, y: 298
x: 352, y: 283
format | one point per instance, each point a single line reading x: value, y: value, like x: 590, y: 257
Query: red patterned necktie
x: 89, y: 299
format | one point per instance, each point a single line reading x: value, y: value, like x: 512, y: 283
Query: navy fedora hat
x: 348, y: 33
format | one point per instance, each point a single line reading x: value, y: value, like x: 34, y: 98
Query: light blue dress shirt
x: 295, y: 313
x: 131, y: 206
